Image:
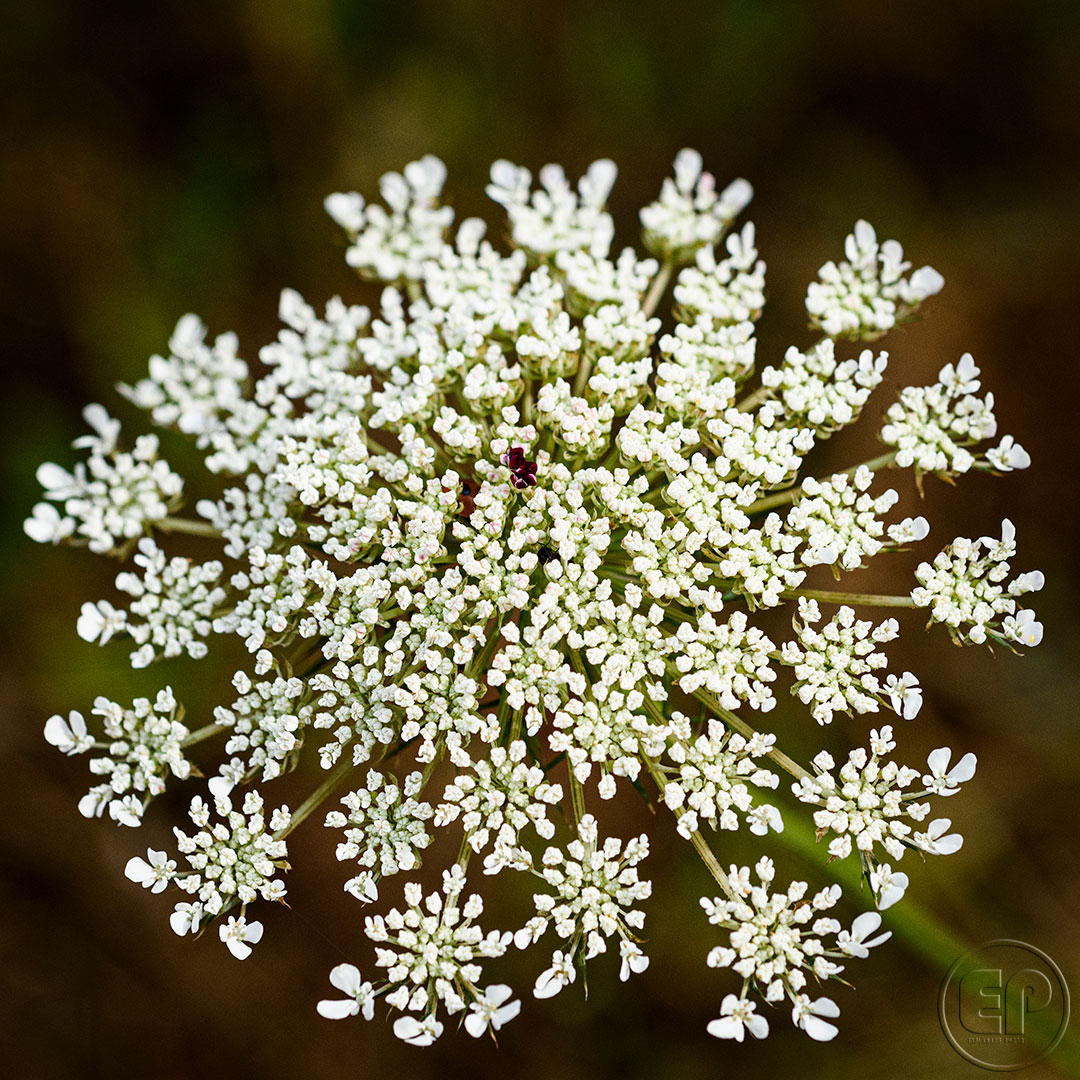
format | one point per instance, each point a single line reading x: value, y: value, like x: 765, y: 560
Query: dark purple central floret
x: 523, y: 471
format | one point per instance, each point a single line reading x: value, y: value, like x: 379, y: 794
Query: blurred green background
x: 161, y: 158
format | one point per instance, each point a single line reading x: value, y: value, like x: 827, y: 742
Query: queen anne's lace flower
x: 143, y: 745
x: 868, y: 809
x: 965, y: 589
x: 867, y: 294
x: 430, y: 953
x: 495, y: 547
x: 776, y: 940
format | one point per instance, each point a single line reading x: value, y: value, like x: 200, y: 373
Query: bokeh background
x: 161, y: 158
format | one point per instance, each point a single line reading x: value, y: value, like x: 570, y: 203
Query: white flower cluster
x: 839, y: 520
x: 233, y: 861
x: 142, y: 747
x: 500, y: 794
x: 931, y: 427
x: 818, y: 391
x: 432, y: 958
x: 503, y: 536
x: 835, y: 665
x: 110, y: 499
x: 690, y: 213
x: 196, y: 384
x: 174, y: 604
x: 868, y: 294
x: 965, y: 589
x: 596, y: 887
x: 865, y: 809
x: 709, y: 775
x: 384, y: 830
x: 776, y: 939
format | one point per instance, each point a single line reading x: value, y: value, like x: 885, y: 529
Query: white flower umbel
x: 835, y: 665
x: 384, y: 830
x: 965, y: 589
x: 867, y: 809
x: 431, y: 951
x: 867, y: 294
x: 595, y: 889
x: 498, y: 549
x: 777, y: 940
x: 110, y: 499
x: 233, y: 861
x: 174, y: 604
x: 932, y: 427
x: 142, y: 746
x: 709, y: 776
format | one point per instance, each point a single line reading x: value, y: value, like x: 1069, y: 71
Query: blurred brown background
x: 172, y: 157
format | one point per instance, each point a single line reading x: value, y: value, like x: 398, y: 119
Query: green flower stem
x: 201, y: 734
x: 752, y: 401
x: 827, y: 596
x: 464, y: 853
x: 479, y: 667
x: 700, y: 844
x: 584, y: 370
x: 577, y: 793
x: 320, y: 794
x: 187, y: 525
x: 788, y: 764
x: 658, y: 287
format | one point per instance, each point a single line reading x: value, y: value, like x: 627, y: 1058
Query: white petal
x: 346, y: 977
x: 476, y: 1024
x: 505, y: 1014
x: 58, y: 734
x: 727, y: 1027
x: 337, y: 1010
x: 864, y: 924
x: 964, y: 769
x: 138, y: 870
x: 239, y: 949
x: 820, y: 1030
x: 757, y: 1025
x: 938, y: 760
x: 498, y: 993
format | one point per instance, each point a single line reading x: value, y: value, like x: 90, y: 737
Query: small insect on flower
x: 544, y: 555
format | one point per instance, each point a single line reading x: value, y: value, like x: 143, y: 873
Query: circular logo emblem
x: 1004, y: 1005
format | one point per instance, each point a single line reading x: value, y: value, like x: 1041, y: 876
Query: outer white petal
x: 139, y: 871
x: 59, y: 734
x: 337, y: 1010
x: 239, y: 949
x: 818, y: 1029
x: 758, y: 1026
x: 864, y: 924
x: 346, y: 977
x: 728, y: 1027
x: 93, y: 803
x: 91, y: 622
x: 476, y: 1023
x: 505, y: 1014
x: 938, y: 760
x: 963, y: 770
